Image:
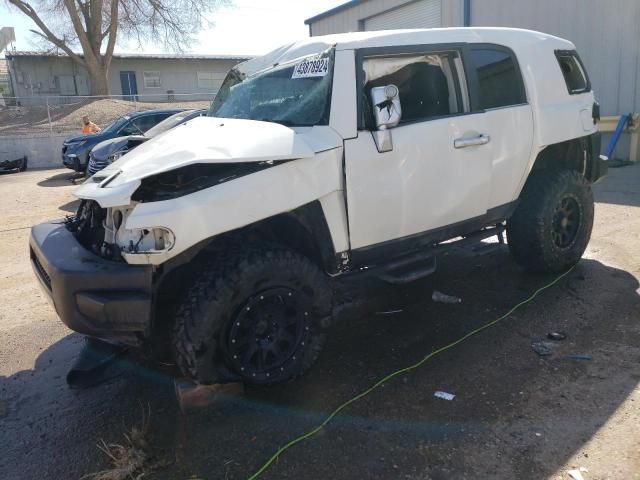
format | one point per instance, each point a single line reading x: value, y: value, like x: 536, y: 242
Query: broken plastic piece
x: 444, y: 395
x: 542, y: 348
x: 557, y: 336
x: 575, y: 474
x: 444, y: 298
x: 91, y: 368
x: 390, y: 312
x: 579, y: 356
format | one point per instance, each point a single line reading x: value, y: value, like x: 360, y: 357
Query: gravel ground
x: 34, y: 120
x: 515, y: 415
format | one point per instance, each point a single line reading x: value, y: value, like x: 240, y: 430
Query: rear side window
x: 499, y: 79
x: 573, y: 71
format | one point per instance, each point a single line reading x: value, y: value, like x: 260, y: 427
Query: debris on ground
x: 579, y: 356
x: 132, y: 460
x: 576, y: 474
x: 440, y: 297
x: 192, y: 395
x: 557, y: 336
x: 543, y: 349
x: 390, y: 312
x: 444, y: 395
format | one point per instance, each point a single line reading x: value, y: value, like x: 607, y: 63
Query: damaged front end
x: 102, y: 231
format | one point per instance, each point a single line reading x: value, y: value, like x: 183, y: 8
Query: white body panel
x: 422, y: 184
x: 238, y: 203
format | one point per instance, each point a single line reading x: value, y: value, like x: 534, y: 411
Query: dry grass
x: 131, y: 460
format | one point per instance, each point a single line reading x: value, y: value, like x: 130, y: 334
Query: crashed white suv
x: 331, y: 156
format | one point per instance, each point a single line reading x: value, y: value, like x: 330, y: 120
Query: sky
x: 250, y: 27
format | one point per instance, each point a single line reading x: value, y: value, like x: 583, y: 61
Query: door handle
x: 471, y: 142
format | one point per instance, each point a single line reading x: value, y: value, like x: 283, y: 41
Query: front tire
x: 551, y: 227
x: 260, y: 314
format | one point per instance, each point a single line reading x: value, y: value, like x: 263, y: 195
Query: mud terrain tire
x: 259, y: 313
x: 551, y: 227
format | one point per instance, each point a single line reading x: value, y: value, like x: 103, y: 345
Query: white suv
x: 331, y: 156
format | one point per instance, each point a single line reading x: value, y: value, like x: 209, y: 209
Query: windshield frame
x: 236, y: 76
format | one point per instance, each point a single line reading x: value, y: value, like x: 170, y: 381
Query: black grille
x: 95, y: 166
x: 41, y: 271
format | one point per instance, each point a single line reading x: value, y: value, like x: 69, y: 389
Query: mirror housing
x: 387, y: 112
x: 386, y: 106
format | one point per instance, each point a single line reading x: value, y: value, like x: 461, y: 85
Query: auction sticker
x: 313, y: 67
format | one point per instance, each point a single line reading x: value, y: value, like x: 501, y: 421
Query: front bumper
x: 13, y: 164
x: 91, y: 295
x: 74, y: 160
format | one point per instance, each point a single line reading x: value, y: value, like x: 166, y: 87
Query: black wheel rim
x: 566, y: 222
x: 267, y: 332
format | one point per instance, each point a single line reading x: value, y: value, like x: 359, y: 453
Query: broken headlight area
x: 103, y: 232
x: 193, y: 178
x: 88, y: 225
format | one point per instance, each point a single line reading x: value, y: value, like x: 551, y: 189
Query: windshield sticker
x: 317, y: 67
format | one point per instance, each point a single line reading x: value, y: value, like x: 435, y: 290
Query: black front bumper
x: 91, y: 295
x: 13, y: 164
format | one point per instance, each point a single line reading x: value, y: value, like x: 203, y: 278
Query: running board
x: 415, y: 266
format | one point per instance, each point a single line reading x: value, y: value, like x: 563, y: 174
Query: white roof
x: 514, y: 38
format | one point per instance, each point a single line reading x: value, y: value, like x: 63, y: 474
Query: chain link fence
x: 35, y: 127
x: 41, y: 116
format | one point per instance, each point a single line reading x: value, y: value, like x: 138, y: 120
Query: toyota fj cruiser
x: 334, y: 156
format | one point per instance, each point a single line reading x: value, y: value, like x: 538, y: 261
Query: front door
x: 128, y: 84
x: 438, y: 172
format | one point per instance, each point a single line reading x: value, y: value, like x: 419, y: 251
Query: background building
x: 151, y: 77
x: 607, y: 34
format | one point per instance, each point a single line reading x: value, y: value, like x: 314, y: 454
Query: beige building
x: 149, y: 77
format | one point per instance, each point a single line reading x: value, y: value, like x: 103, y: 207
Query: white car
x: 331, y: 156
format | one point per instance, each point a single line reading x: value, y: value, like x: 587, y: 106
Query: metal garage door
x: 418, y: 14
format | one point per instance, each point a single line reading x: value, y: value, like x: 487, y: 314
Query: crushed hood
x: 206, y: 140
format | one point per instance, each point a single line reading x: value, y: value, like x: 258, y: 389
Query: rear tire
x: 551, y: 227
x: 260, y: 314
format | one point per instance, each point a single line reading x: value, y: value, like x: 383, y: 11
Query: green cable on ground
x: 385, y: 379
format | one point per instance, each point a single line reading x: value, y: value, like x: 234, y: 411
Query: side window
x: 428, y: 84
x: 499, y: 79
x: 145, y: 122
x: 573, y: 71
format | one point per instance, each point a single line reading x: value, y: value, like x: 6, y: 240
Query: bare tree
x: 95, y: 25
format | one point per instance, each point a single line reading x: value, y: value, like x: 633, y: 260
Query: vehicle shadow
x: 62, y: 179
x: 515, y: 415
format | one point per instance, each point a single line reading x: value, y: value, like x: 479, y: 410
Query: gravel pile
x: 34, y: 120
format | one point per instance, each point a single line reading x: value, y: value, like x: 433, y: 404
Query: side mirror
x: 386, y: 106
x: 387, y: 112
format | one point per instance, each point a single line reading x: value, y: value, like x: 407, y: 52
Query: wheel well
x: 568, y: 155
x: 303, y: 230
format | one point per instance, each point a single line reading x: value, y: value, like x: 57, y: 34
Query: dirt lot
x: 515, y: 415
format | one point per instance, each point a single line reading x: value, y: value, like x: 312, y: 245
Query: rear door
x: 500, y: 93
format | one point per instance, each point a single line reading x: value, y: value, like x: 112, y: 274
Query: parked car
x: 107, y: 152
x: 360, y: 154
x: 15, y: 165
x: 75, y: 150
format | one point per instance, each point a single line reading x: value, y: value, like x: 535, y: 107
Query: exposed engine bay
x: 103, y: 232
